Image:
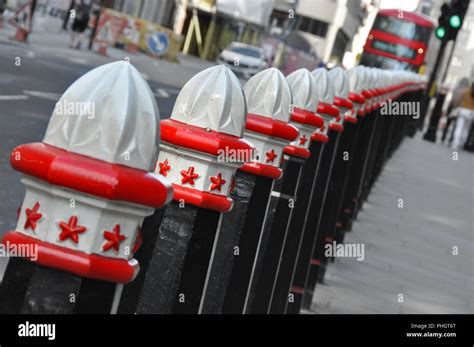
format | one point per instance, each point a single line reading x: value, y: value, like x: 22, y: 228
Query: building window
x: 304, y: 24
x: 312, y: 26
x: 340, y: 45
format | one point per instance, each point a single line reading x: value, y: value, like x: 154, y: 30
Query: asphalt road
x: 28, y: 93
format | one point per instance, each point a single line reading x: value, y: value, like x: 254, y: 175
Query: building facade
x: 329, y: 25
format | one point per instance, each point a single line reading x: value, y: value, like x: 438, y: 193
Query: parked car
x: 243, y: 59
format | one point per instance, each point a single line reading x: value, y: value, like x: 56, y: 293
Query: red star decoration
x: 303, y: 140
x: 113, y: 239
x: 270, y: 156
x: 217, y: 182
x: 189, y: 176
x: 164, y: 168
x: 32, y: 217
x: 71, y: 230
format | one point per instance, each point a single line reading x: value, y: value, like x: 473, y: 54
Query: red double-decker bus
x: 398, y: 40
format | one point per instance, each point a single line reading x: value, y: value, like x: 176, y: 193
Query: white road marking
x: 78, y: 60
x: 43, y: 95
x: 161, y: 93
x: 14, y: 97
x: 145, y: 76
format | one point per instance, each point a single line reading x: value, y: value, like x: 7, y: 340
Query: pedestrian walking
x: 453, y: 105
x: 3, y: 6
x: 466, y: 115
x: 79, y: 25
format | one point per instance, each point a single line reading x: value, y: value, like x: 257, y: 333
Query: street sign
x: 109, y: 28
x: 22, y: 18
x: 132, y: 31
x: 158, y: 43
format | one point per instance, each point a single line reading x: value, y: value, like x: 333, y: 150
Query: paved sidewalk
x: 409, y: 250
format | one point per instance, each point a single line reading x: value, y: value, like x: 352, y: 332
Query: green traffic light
x: 455, y: 21
x: 440, y: 32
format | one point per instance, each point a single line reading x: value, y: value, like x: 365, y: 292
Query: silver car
x: 244, y: 60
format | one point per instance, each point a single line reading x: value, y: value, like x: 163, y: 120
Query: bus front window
x: 401, y: 28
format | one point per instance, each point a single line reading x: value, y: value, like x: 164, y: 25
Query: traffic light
x: 459, y: 10
x: 443, y: 22
x: 451, y: 19
x: 455, y: 21
x: 440, y: 32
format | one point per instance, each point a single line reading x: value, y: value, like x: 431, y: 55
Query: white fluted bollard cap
x: 124, y: 125
x: 201, y: 145
x: 268, y: 95
x: 324, y: 85
x: 341, y: 97
x: 324, y: 96
x: 212, y: 99
x: 304, y: 117
x: 269, y: 102
x: 88, y: 185
x: 356, y: 81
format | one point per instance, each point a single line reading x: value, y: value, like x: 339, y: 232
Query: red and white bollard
x: 201, y: 149
x: 88, y: 184
x: 204, y: 127
x: 269, y: 102
x: 267, y: 125
x: 324, y: 96
x: 284, y: 199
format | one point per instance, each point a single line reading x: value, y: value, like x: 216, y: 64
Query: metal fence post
x: 269, y: 99
x: 284, y: 195
x: 344, y: 164
x: 327, y: 213
x: 325, y: 99
x: 200, y: 151
x: 282, y: 295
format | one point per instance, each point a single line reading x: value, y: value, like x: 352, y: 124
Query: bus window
x: 401, y: 28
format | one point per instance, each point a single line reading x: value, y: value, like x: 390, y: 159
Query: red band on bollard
x: 367, y: 94
x: 336, y: 127
x: 79, y: 263
x: 306, y: 117
x: 260, y: 169
x: 350, y: 119
x: 271, y: 127
x: 357, y: 98
x: 327, y: 109
x: 220, y: 203
x: 323, y: 138
x: 198, y: 139
x: 297, y: 290
x: 91, y: 176
x: 340, y: 102
x: 297, y: 152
